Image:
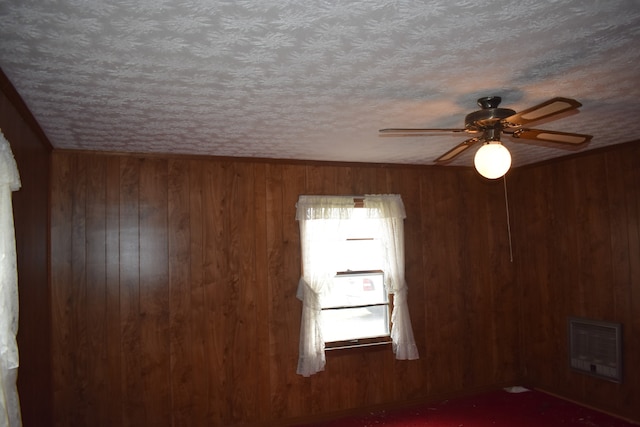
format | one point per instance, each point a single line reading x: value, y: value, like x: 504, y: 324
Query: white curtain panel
x: 392, y: 214
x: 321, y: 220
x: 9, y: 182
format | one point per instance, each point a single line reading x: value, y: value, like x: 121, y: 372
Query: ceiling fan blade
x: 542, y: 111
x: 552, y: 136
x: 458, y: 149
x: 413, y: 132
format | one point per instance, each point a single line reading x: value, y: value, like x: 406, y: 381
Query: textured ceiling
x: 315, y: 80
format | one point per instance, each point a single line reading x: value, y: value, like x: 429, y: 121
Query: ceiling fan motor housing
x: 489, y: 117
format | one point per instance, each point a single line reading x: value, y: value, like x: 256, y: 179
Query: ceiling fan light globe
x: 492, y: 160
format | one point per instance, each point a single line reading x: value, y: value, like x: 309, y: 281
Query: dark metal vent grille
x: 595, y: 348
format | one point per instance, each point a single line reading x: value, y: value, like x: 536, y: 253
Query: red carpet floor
x: 494, y: 409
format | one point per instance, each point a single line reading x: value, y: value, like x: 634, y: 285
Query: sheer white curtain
x: 321, y: 220
x: 392, y: 214
x: 9, y: 181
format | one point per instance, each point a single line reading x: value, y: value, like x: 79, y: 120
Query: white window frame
x: 380, y: 333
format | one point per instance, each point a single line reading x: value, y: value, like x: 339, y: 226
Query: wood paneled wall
x: 174, y: 281
x: 577, y: 238
x: 31, y: 150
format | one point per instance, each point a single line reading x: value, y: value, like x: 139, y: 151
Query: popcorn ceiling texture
x: 315, y: 80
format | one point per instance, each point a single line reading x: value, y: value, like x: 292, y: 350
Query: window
x: 346, y: 252
x: 356, y: 308
x: 356, y: 304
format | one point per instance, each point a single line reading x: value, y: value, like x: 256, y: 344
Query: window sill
x: 360, y: 344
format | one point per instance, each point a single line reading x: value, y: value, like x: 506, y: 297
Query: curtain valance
x: 341, y: 207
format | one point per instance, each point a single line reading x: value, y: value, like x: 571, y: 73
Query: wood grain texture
x: 182, y: 369
x: 207, y: 255
x: 577, y: 229
x: 61, y: 295
x: 113, y: 330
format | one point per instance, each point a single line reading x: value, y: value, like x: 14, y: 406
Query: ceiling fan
x: 490, y: 122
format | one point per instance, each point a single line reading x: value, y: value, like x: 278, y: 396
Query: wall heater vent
x: 596, y: 348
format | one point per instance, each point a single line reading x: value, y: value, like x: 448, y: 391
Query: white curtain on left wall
x: 9, y: 182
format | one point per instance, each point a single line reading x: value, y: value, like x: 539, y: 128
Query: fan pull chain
x: 506, y: 203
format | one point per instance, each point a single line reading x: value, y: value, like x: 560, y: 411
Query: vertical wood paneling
x: 473, y: 284
x: 78, y: 309
x: 579, y: 228
x: 186, y: 271
x: 153, y: 321
x: 242, y: 320
x: 627, y: 268
x: 218, y: 293
x: 61, y: 212
x: 96, y: 302
x: 202, y: 413
x: 445, y: 305
x: 280, y: 336
x: 631, y: 164
x: 504, y: 327
x: 133, y: 395
x: 594, y: 240
x: 289, y: 390
x: 430, y: 249
x: 182, y: 369
x: 621, y: 220
x: 113, y: 342
x: 261, y: 383
x: 530, y: 213
x: 562, y: 207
